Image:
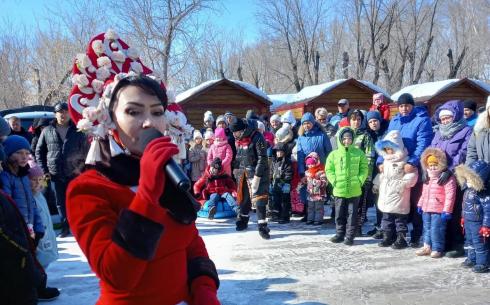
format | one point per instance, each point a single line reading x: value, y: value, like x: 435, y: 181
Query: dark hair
x: 356, y: 113
x: 147, y: 84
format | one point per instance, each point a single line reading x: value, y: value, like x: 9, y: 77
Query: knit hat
x: 469, y: 104
x: 445, y: 112
x: 373, y: 115
x: 15, y: 143
x: 378, y: 98
x: 312, y: 159
x: 238, y: 125
x: 197, y: 134
x: 208, y: 116
x: 216, y: 163
x: 35, y: 170
x: 275, y: 118
x: 405, y: 98
x: 280, y: 147
x: 208, y: 135
x: 283, y: 133
x: 220, y: 118
x: 219, y: 133
x: 432, y: 160
x: 4, y: 127
x: 260, y: 126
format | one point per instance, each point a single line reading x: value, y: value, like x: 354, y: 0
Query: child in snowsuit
x: 394, y: 190
x: 436, y: 202
x: 216, y: 185
x: 346, y: 170
x: 16, y: 184
x: 476, y: 213
x: 316, y: 188
x: 197, y: 156
x: 222, y: 150
x: 282, y: 174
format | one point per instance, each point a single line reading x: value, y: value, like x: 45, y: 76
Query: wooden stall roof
x: 222, y: 95
x: 327, y: 94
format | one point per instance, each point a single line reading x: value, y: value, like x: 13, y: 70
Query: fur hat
x: 197, y: 134
x: 284, y: 134
x: 15, y: 143
x: 478, y: 174
x: 238, y: 125
x: 435, y: 156
x: 208, y: 116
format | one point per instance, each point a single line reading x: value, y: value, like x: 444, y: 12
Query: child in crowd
x: 197, y: 156
x: 436, y: 202
x: 208, y: 140
x: 394, y: 190
x: 346, y: 170
x: 216, y: 185
x: 222, y: 150
x: 380, y: 104
x: 476, y: 213
x: 47, y: 249
x: 17, y: 185
x: 316, y: 188
x: 282, y: 174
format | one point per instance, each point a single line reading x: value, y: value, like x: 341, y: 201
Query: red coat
x: 206, y: 185
x: 384, y: 110
x: 94, y: 206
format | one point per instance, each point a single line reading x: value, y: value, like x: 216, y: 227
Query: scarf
x: 312, y: 171
x: 243, y: 142
x: 449, y: 130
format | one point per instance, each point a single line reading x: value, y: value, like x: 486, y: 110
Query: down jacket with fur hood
x: 476, y: 201
x: 393, y: 183
x: 437, y: 198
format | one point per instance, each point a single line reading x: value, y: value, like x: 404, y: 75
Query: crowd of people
x: 407, y: 168
x: 92, y: 167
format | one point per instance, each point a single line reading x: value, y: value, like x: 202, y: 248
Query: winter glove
x: 255, y: 184
x: 424, y: 177
x: 152, y: 177
x: 446, y: 216
x: 286, y: 188
x: 485, y: 232
x: 420, y: 211
x: 203, y: 290
x: 444, y: 177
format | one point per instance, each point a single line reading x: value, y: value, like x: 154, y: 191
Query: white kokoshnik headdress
x: 108, y: 59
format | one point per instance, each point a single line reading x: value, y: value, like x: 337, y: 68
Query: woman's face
x: 134, y: 111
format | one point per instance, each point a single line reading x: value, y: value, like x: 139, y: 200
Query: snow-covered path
x: 300, y: 266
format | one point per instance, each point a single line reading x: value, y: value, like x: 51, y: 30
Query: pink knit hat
x: 35, y: 170
x: 219, y: 133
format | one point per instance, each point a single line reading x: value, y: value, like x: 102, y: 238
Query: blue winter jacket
x: 471, y: 121
x: 314, y: 140
x: 416, y: 132
x: 19, y: 189
x: 476, y: 205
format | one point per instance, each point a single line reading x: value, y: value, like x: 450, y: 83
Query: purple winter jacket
x: 455, y: 147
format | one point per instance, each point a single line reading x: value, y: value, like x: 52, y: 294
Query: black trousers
x: 414, y: 217
x: 394, y: 222
x: 346, y: 216
x: 60, y: 186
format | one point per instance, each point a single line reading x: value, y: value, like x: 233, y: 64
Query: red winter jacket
x: 384, y: 110
x: 96, y: 207
x: 220, y: 184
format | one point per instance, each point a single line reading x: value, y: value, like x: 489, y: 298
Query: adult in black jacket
x: 61, y: 152
x: 253, y: 174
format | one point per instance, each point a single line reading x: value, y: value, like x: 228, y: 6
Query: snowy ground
x: 300, y: 266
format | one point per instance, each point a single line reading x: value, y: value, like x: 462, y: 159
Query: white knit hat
x: 197, y: 134
x: 220, y: 118
x: 275, y: 118
x: 208, y: 116
x: 288, y: 117
x: 260, y: 126
x: 208, y: 135
x: 283, y: 133
x: 445, y: 112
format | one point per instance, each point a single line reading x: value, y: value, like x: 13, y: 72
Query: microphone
x: 174, y: 172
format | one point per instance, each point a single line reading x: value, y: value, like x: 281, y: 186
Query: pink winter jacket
x: 438, y: 198
x: 223, y: 151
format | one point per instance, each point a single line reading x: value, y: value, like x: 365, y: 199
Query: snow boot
x: 337, y: 239
x: 349, y: 241
x: 415, y: 242
x: 480, y: 269
x: 264, y: 231
x: 242, y: 222
x: 457, y: 252
x: 401, y: 242
x: 388, y: 239
x: 47, y: 294
x: 378, y: 235
x: 467, y: 264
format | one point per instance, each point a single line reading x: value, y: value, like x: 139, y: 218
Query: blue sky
x: 235, y: 14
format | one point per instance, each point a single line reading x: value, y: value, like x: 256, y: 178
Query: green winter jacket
x: 346, y: 169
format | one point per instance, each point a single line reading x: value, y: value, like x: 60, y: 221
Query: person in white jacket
x: 394, y: 186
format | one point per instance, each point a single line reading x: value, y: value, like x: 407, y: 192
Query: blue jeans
x: 477, y: 247
x: 434, y: 231
x: 215, y: 198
